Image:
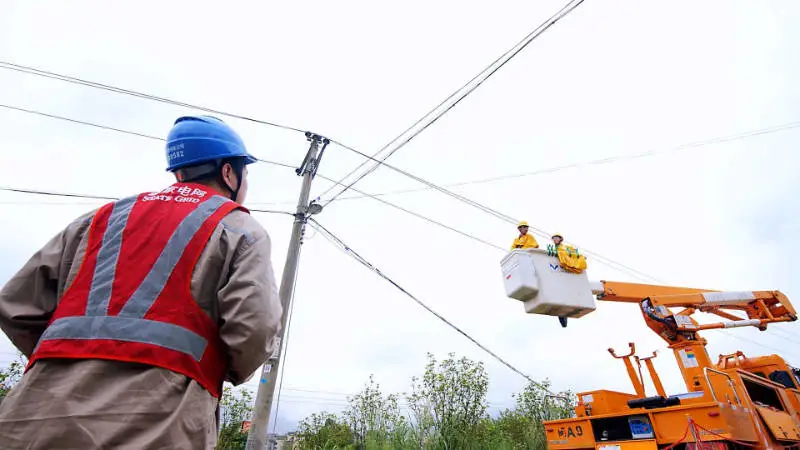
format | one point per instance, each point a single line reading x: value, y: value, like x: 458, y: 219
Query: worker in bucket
x: 135, y: 314
x: 558, y: 239
x: 524, y: 240
x: 560, y: 246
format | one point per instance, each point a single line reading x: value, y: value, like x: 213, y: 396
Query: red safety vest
x: 131, y: 299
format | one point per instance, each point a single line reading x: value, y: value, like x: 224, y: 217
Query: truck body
x: 736, y: 402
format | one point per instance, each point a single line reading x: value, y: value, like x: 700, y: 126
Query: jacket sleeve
x: 29, y: 298
x: 249, y: 308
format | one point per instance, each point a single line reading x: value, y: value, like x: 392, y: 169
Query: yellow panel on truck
x: 783, y: 426
x: 569, y: 434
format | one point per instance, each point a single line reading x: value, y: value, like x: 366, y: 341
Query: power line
x: 101, y: 197
x: 504, y: 217
x: 486, y: 209
x: 599, y: 161
x: 280, y: 164
x: 109, y: 128
x: 443, y: 190
x: 762, y: 345
x: 786, y: 335
x: 55, y: 194
x: 40, y: 203
x: 66, y: 78
x: 420, y: 216
x: 466, y: 88
x: 275, y: 163
x: 405, y: 210
x: 607, y: 261
x: 69, y: 79
x: 334, y: 239
x: 105, y: 127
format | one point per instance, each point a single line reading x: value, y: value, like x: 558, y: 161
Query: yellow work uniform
x: 525, y: 241
x: 569, y: 258
x: 563, y: 248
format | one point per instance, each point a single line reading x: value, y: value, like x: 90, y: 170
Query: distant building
x: 286, y: 441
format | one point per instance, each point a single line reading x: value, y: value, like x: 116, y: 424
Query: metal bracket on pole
x: 257, y: 435
x: 312, y: 164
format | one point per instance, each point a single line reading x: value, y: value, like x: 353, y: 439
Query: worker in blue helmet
x: 204, y: 148
x: 194, y: 304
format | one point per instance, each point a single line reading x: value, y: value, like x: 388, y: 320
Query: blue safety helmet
x: 196, y: 140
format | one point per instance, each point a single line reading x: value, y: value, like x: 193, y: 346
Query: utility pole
x: 257, y: 435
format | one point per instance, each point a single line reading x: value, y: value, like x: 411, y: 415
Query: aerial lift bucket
x: 538, y: 280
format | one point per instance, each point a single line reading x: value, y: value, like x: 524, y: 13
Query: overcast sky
x: 613, y: 78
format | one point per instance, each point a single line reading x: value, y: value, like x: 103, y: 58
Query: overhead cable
x: 109, y: 128
x: 56, y: 194
x: 599, y: 161
x: 435, y: 114
x: 400, y: 208
x: 459, y: 197
x: 486, y: 209
x: 555, y: 169
x: 280, y: 164
x: 69, y: 79
x: 102, y: 197
x: 504, y: 217
x: 420, y: 216
x: 81, y: 122
x: 788, y: 336
x: 333, y: 238
x: 53, y: 75
x: 760, y: 344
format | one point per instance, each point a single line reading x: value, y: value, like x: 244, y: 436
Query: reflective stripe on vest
x: 129, y: 325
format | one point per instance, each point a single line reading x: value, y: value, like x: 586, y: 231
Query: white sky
x: 613, y: 78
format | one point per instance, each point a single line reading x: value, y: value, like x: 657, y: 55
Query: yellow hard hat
x: 557, y: 234
x: 522, y: 224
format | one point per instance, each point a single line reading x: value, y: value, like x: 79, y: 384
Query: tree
x: 522, y: 427
x: 451, y: 398
x: 11, y: 375
x: 323, y: 431
x: 537, y: 403
x: 448, y: 411
x: 236, y: 406
x: 373, y: 416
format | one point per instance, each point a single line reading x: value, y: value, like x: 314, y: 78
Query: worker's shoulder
x: 80, y: 225
x: 240, y: 224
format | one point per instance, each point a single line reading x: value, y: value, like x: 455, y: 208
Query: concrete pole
x: 257, y: 435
